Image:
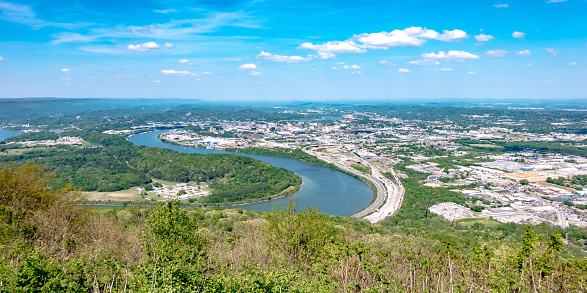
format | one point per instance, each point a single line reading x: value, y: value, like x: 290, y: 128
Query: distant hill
x: 13, y: 110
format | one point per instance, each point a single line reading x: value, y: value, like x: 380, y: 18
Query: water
x: 336, y: 193
x: 4, y: 134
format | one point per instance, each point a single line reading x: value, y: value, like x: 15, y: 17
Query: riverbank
x: 335, y: 192
x: 300, y: 155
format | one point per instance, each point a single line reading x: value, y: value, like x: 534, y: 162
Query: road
x: 389, y: 194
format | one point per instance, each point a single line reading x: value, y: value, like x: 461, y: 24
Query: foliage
x: 118, y: 164
x: 170, y: 249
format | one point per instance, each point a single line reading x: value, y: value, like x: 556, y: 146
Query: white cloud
x: 496, y: 53
x: 524, y: 53
x: 451, y: 55
x: 403, y: 70
x: 324, y: 55
x: 247, y: 66
x: 232, y: 59
x: 183, y: 61
x: 256, y: 73
x: 165, y: 11
x: 409, y: 37
x: 471, y: 72
x: 168, y: 45
x: 501, y: 5
x: 24, y: 14
x: 176, y: 29
x: 453, y: 35
x: 69, y: 37
x: 155, y: 81
x: 518, y: 35
x: 385, y: 62
x: 568, y: 64
x: 556, y: 1
x: 355, y: 66
x: 65, y: 70
x: 446, y: 69
x: 281, y: 58
x: 345, y: 67
x: 333, y: 68
x: 174, y: 72
x: 423, y: 62
x: 329, y: 49
x: 552, y: 52
x: 1, y: 59
x: 144, y: 46
x: 483, y: 37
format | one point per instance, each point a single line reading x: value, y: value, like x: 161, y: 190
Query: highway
x: 389, y: 194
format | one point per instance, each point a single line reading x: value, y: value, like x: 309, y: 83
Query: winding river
x: 336, y: 193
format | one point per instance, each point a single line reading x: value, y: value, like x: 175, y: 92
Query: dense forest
x: 116, y: 164
x: 49, y: 244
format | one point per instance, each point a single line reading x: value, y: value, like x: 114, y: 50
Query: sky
x: 329, y: 50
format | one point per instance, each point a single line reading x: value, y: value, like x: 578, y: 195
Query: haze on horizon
x: 302, y: 50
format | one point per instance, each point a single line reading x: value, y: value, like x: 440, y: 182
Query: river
x: 4, y: 134
x: 335, y: 192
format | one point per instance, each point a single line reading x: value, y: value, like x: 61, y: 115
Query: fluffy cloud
x: 453, y: 35
x: 232, y: 59
x: 168, y: 45
x: 180, y: 73
x: 446, y: 69
x: 471, y: 72
x: 256, y: 73
x: 450, y: 56
x: 423, y: 62
x: 412, y: 36
x: 324, y: 55
x: 518, y: 35
x: 144, y: 46
x: 355, y: 66
x: 483, y: 37
x: 183, y: 61
x: 403, y: 70
x: 524, y: 53
x: 501, y: 5
x: 329, y: 49
x: 281, y: 58
x: 552, y: 52
x: 385, y: 62
x: 62, y: 70
x: 1, y: 59
x: 247, y: 66
x: 568, y: 64
x: 496, y: 53
x: 408, y: 37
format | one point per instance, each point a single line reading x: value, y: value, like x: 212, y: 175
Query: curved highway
x: 389, y: 194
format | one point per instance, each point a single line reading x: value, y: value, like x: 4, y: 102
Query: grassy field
x: 486, y: 222
x: 122, y: 195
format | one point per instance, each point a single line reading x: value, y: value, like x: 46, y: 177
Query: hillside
x: 48, y: 244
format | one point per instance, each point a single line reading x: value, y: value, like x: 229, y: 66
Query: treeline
x: 286, y: 153
x: 48, y: 244
x: 117, y: 164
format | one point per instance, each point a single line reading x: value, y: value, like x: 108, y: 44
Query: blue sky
x: 294, y: 50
